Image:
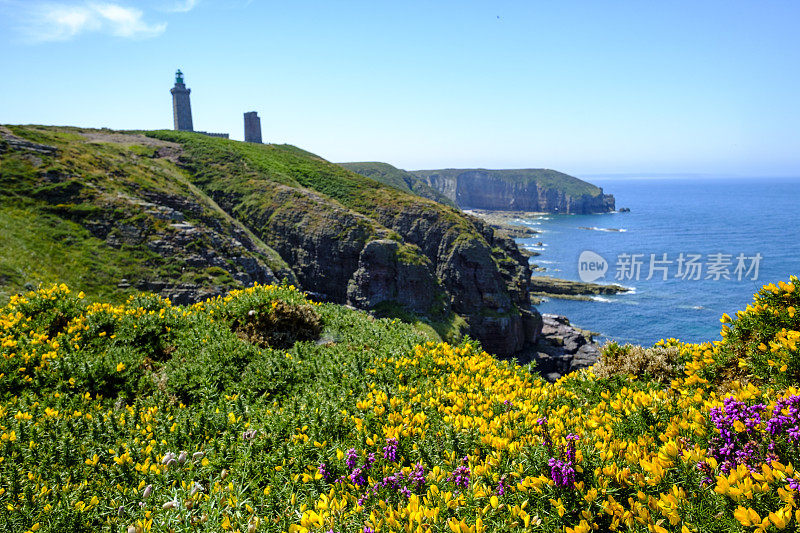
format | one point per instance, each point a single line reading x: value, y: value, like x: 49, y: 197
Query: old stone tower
x: 181, y: 108
x: 252, y: 127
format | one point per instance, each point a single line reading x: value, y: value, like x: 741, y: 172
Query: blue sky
x: 583, y: 87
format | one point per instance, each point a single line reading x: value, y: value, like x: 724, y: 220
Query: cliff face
x: 519, y: 190
x: 353, y: 240
x: 399, y: 179
x: 190, y: 216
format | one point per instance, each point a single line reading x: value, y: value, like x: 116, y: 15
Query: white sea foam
x: 594, y: 228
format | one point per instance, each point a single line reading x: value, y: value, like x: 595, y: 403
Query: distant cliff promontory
x: 540, y: 190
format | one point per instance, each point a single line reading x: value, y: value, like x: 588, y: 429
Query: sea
x: 689, y: 250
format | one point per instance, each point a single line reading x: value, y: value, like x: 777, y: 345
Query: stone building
x: 181, y: 107
x: 252, y: 127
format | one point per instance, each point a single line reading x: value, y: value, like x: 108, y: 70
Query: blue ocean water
x: 673, y: 216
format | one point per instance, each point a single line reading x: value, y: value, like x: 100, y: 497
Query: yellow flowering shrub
x: 149, y: 416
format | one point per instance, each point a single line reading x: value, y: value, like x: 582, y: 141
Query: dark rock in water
x: 516, y: 232
x: 547, y: 285
x: 561, y: 349
x: 624, y: 209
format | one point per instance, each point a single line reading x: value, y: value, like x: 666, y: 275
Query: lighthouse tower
x: 181, y: 108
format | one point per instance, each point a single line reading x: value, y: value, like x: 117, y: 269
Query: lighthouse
x: 181, y: 108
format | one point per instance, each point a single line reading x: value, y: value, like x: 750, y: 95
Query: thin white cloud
x: 183, y: 6
x: 61, y: 22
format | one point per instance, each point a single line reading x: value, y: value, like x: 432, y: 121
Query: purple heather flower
x: 732, y: 447
x: 390, y: 450
x: 460, y: 475
x: 546, y: 440
x: 352, y: 459
x: 418, y: 475
x: 323, y: 470
x: 501, y: 487
x: 562, y: 472
x: 368, y: 529
x: 704, y: 467
x: 358, y: 477
x: 571, y: 440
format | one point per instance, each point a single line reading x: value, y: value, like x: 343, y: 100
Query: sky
x: 592, y: 87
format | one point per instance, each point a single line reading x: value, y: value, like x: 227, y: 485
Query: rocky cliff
x: 189, y: 216
x: 539, y: 190
x: 399, y: 179
x: 351, y: 239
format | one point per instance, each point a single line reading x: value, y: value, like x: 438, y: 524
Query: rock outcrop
x: 332, y: 225
x: 386, y: 274
x: 533, y: 190
x: 561, y: 349
x: 556, y: 287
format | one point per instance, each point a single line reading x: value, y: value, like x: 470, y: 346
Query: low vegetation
x: 149, y: 416
x: 657, y: 363
x: 399, y: 179
x: 100, y: 207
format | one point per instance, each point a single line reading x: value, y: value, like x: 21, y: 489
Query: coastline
x: 544, y: 285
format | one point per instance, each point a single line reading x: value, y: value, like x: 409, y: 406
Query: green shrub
x: 278, y: 324
x: 659, y: 363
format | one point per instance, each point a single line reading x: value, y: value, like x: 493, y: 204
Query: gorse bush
x: 278, y: 325
x: 765, y: 336
x: 148, y: 416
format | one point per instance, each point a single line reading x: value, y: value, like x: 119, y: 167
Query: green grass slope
x: 189, y: 216
x: 225, y: 166
x: 399, y: 179
x: 91, y: 208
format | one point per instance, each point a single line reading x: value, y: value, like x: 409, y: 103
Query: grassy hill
x: 93, y: 208
x: 189, y: 216
x: 262, y: 411
x: 399, y: 179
